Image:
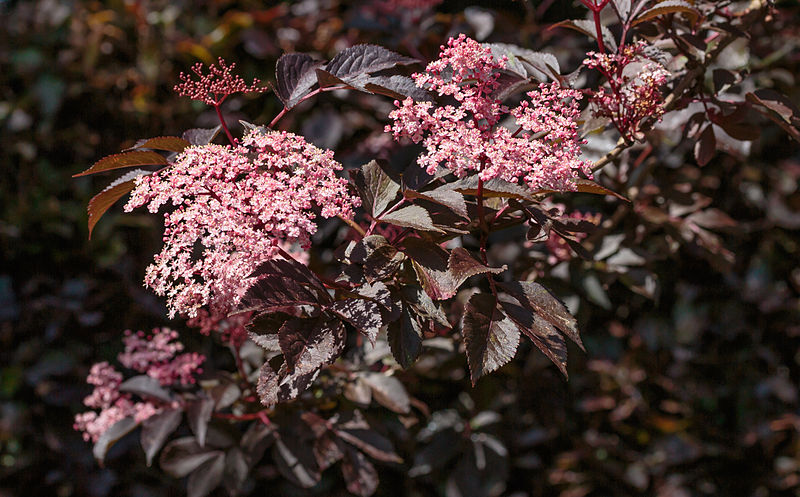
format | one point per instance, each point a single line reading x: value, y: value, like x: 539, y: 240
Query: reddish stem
x: 283, y: 111
x: 222, y: 122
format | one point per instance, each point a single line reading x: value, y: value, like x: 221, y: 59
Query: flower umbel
x: 214, y: 87
x: 634, y: 91
x: 467, y: 138
x: 155, y: 355
x: 233, y: 207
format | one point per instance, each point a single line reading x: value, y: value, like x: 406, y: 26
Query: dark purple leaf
x: 327, y: 451
x: 110, y: 437
x: 183, y: 455
x: 493, y: 188
x: 255, y: 441
x: 405, y: 338
x: 237, y: 467
x: 101, y: 202
x: 295, y: 75
x: 462, y: 266
x: 412, y: 216
x: 295, y: 460
x: 281, y: 284
x: 363, y: 314
x: 667, y: 7
x: 363, y: 59
x: 541, y: 333
x: 490, y: 337
x: 780, y: 109
x: 371, y: 443
x: 706, y: 146
x: 225, y: 393
x: 156, y: 429
x: 383, y: 263
x: 540, y: 301
x: 423, y: 305
x: 430, y: 264
x: 166, y: 143
x: 127, y: 159
x: 198, y: 413
x: 298, y: 338
x: 145, y: 386
x: 207, y: 477
x: 201, y: 136
x: 388, y: 392
x: 376, y: 188
x: 397, y: 87
x: 442, y: 196
x: 587, y: 27
x: 359, y: 474
x: 724, y: 79
x: 283, y: 386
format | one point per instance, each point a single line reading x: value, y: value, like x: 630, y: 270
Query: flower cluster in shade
x: 233, y: 207
x: 214, y: 87
x: 634, y: 88
x: 156, y: 355
x: 558, y: 248
x: 230, y: 329
x: 544, y: 150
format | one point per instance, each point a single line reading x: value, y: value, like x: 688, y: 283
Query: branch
x: 671, y: 100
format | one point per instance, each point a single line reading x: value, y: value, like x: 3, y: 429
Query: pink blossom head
x: 233, y: 207
x: 543, y: 152
x: 212, y: 88
x: 633, y: 93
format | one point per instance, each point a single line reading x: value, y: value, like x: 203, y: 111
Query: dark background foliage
x: 689, y: 385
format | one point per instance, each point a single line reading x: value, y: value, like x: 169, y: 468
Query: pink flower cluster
x: 542, y: 153
x: 214, y: 87
x: 633, y: 91
x: 155, y: 355
x: 233, y: 207
x: 558, y: 247
x: 231, y: 329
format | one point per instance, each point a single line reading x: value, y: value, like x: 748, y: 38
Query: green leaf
x: 127, y: 159
x: 490, y: 337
